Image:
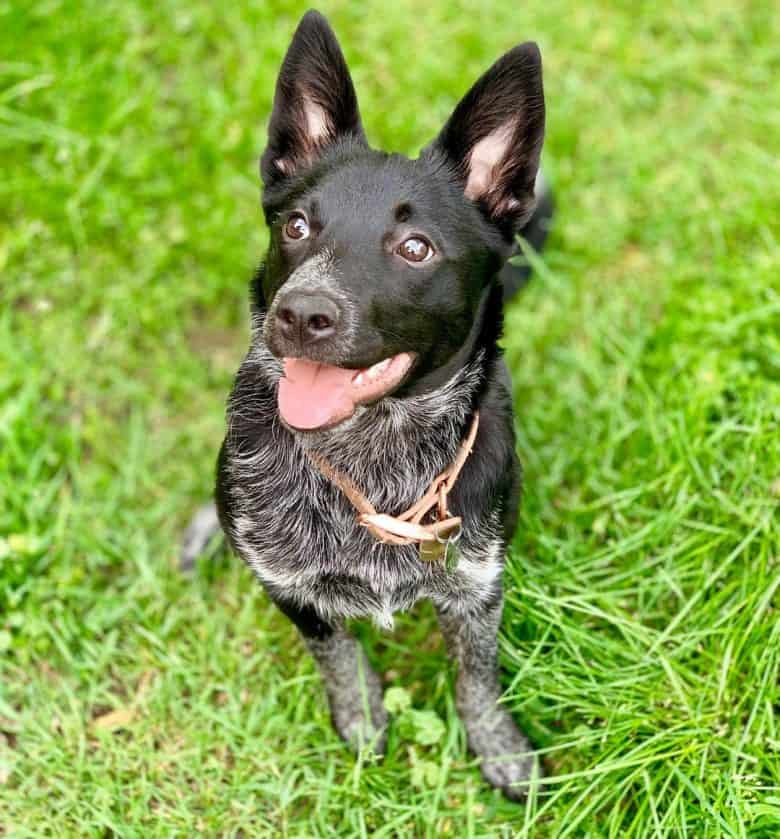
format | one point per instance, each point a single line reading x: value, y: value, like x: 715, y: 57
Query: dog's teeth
x: 379, y: 368
x: 371, y: 373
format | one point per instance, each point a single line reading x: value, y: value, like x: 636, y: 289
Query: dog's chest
x: 288, y: 515
x: 299, y: 532
x: 301, y: 535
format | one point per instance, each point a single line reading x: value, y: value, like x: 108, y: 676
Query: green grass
x: 641, y: 639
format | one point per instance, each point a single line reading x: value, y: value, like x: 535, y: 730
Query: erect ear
x: 314, y: 103
x: 494, y: 137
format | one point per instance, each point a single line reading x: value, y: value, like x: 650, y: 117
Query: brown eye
x: 297, y: 227
x: 415, y: 249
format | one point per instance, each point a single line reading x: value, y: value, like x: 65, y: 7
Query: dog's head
x: 378, y: 265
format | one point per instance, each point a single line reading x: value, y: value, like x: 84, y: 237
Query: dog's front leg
x: 470, y: 631
x: 354, y: 689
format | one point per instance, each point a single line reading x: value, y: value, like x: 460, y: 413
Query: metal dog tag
x: 432, y: 551
x: 451, y: 555
x: 443, y: 548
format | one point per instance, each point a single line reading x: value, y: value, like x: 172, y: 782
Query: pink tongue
x: 312, y: 395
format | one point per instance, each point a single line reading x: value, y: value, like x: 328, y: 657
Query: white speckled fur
x: 392, y: 451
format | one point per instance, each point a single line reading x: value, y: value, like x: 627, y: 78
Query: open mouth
x: 315, y: 395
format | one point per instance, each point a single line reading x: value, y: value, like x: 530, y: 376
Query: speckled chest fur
x: 300, y: 535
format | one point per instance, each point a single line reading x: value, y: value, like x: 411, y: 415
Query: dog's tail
x: 202, y: 529
x: 514, y: 277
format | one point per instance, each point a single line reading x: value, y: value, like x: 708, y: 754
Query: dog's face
x: 377, y: 264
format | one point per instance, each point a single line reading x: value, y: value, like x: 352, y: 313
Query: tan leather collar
x: 406, y: 528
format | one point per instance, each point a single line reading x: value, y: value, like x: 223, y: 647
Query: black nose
x: 306, y: 318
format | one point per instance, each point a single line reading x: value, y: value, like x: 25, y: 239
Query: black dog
x: 372, y: 367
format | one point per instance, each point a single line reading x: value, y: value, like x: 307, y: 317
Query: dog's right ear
x: 314, y: 104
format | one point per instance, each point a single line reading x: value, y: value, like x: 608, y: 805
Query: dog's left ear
x: 494, y: 137
x: 314, y: 104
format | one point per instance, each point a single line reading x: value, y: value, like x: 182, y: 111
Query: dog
x: 374, y: 383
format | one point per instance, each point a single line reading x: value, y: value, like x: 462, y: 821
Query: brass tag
x: 443, y: 547
x: 432, y: 551
x: 446, y: 551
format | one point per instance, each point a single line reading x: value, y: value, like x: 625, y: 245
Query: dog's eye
x: 415, y: 249
x: 297, y: 227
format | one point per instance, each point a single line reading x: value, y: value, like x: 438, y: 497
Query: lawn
x: 641, y: 637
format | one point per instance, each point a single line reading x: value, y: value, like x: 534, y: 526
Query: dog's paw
x: 359, y: 731
x: 510, y: 773
x: 507, y: 755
